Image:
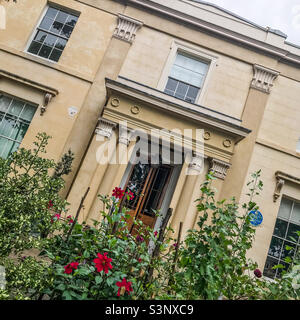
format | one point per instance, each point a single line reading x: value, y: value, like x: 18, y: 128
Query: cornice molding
x: 210, y: 150
x: 12, y: 76
x: 127, y: 28
x: 263, y: 78
x: 221, y: 125
x: 254, y: 44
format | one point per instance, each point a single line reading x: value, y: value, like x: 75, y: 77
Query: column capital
x: 105, y: 128
x: 219, y: 168
x: 127, y: 28
x: 263, y: 78
x: 197, y: 162
x: 125, y: 135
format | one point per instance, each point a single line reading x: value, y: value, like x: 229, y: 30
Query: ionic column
x: 114, y: 172
x: 260, y: 88
x: 186, y: 197
x: 91, y: 171
x: 110, y: 67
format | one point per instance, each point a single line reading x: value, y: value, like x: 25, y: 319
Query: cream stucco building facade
x: 78, y: 69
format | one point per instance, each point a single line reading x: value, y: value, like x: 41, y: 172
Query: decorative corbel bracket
x: 281, y: 179
x: 127, y: 28
x: 219, y: 168
x: 47, y: 99
x: 263, y: 78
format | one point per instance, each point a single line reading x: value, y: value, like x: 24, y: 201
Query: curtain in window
x: 189, y: 70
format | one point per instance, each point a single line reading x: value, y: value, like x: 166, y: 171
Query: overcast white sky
x: 277, y: 14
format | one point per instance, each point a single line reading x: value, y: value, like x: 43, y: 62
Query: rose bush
x: 65, y: 259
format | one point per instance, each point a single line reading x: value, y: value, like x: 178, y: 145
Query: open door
x: 148, y: 183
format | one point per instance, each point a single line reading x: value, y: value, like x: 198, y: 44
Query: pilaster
x: 110, y: 66
x: 259, y: 91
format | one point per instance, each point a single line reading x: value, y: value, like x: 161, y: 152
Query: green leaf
x: 61, y: 287
x: 67, y: 295
x: 98, y: 279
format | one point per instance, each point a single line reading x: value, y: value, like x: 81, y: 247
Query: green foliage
x: 211, y: 262
x: 26, y: 189
x: 130, y: 258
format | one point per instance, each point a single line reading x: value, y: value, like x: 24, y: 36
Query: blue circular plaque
x: 256, y: 218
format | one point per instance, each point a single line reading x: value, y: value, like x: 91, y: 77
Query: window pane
x: 55, y: 55
x: 51, y: 13
x: 288, y: 253
x: 61, y: 17
x: 34, y: 47
x: 66, y: 31
x: 7, y: 126
x: 285, y: 208
x: 71, y: 20
x: 46, y: 23
x: 19, y: 131
x: 4, y: 103
x: 189, y: 70
x: 275, y: 247
x: 268, y: 271
x: 5, y: 146
x: 28, y: 112
x: 171, y: 84
x: 45, y: 51
x: 192, y: 94
x: 16, y: 107
x: 296, y: 213
x: 50, y: 40
x: 280, y: 228
x: 292, y: 232
x: 40, y: 36
x: 280, y: 270
x: 61, y: 43
x: 56, y: 27
x: 181, y: 90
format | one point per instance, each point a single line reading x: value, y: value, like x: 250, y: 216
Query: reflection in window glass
x: 52, y: 34
x: 15, y: 117
x: 285, y: 241
x: 186, y: 78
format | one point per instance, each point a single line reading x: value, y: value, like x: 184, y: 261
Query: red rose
x: 70, y: 220
x: 55, y: 217
x: 257, y: 273
x: 139, y: 238
x: 103, y: 262
x: 118, y: 193
x: 155, y: 233
x: 70, y: 267
x: 125, y: 284
x: 50, y: 204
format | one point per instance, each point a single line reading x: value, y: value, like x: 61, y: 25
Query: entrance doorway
x: 148, y: 183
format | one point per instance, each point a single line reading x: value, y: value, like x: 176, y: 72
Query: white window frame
x: 33, y: 33
x: 178, y: 46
